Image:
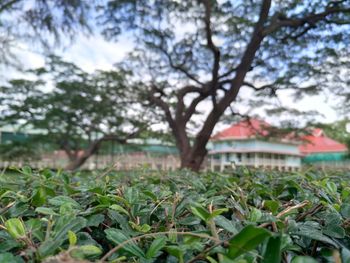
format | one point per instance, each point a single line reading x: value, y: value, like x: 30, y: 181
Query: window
x: 239, y: 157
x: 227, y: 155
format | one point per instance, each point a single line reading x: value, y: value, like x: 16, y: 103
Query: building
x: 248, y: 143
x: 150, y: 153
x: 320, y: 150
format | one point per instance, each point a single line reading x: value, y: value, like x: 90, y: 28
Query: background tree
x: 80, y: 112
x: 337, y: 131
x: 19, y: 151
x: 44, y: 23
x: 203, y: 57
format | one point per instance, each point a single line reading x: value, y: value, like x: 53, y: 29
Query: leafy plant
x: 148, y: 216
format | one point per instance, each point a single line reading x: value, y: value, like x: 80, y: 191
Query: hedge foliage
x: 148, y: 216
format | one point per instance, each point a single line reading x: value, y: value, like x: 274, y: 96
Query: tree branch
x: 157, y: 100
x: 279, y: 21
x: 178, y: 67
x: 244, y: 66
x: 180, y: 107
x: 264, y: 87
x: 214, y: 49
x: 8, y: 5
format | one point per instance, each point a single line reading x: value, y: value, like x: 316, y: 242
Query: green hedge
x: 148, y: 216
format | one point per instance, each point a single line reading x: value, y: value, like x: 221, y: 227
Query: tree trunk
x: 81, y: 159
x: 194, y: 158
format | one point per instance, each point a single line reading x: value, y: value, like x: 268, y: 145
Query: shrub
x: 147, y: 216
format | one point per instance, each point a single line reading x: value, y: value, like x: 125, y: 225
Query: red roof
x: 318, y: 142
x: 243, y: 130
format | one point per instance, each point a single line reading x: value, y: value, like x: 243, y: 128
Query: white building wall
x: 254, y: 146
x: 255, y: 153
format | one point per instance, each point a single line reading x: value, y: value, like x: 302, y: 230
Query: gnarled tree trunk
x: 79, y: 159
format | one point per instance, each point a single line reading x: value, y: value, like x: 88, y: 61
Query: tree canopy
x: 43, y: 23
x: 80, y: 112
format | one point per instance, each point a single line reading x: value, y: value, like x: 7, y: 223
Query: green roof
x: 325, y: 157
x: 6, y: 137
x: 155, y: 149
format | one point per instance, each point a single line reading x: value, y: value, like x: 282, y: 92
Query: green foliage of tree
x: 43, y: 23
x: 337, y: 131
x: 80, y: 112
x: 14, y: 151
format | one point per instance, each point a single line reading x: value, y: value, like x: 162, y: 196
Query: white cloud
x: 91, y: 53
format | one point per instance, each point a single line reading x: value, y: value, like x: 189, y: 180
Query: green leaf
x: 39, y: 198
x: 200, y: 212
x: 26, y: 170
x: 334, y: 230
x: 66, y: 223
x: 272, y: 205
x: 255, y: 215
x: 9, y: 258
x: 175, y: 251
x: 95, y: 220
x: 119, y: 209
x: 331, y: 187
x: 303, y: 259
x: 34, y: 226
x: 60, y: 233
x: 309, y: 231
x: 273, y: 250
x: 156, y: 246
x: 217, y: 212
x: 86, y: 251
x: 247, y: 239
x: 61, y: 199
x: 150, y: 195
x: 225, y: 224
x: 72, y: 238
x: 67, y: 209
x: 46, y: 211
x: 345, y: 210
x: 120, y: 199
x: 119, y: 237
x: 15, y: 228
x: 140, y: 228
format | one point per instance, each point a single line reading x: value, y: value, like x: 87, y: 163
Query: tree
x: 19, y: 151
x: 205, y: 53
x: 198, y: 60
x: 337, y: 131
x: 79, y: 113
x: 41, y: 22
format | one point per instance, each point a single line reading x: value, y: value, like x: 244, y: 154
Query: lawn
x: 151, y: 216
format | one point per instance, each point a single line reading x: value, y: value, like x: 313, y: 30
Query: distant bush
x: 147, y: 216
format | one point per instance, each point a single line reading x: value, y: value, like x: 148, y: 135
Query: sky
x: 94, y: 52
